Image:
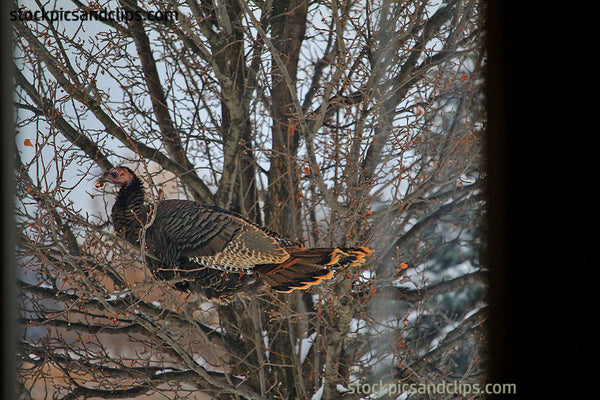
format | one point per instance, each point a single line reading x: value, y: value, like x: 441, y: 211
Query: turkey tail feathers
x: 307, y: 267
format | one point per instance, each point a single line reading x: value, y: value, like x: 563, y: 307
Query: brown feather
x: 307, y: 267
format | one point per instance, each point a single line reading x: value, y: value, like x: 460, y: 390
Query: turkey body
x: 214, y: 251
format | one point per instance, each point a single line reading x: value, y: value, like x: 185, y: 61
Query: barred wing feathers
x: 214, y: 238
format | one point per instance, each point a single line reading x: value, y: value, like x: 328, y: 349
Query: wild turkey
x: 214, y: 251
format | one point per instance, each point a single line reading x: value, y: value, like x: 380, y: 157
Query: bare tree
x: 333, y: 123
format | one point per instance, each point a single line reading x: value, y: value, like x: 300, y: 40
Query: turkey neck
x: 129, y: 211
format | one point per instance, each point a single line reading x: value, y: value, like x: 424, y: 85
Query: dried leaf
x: 291, y: 129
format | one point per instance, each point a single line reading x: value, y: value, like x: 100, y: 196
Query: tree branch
x: 189, y: 177
x: 315, y: 175
x: 125, y: 302
x: 54, y: 117
x: 423, y: 223
x: 170, y: 136
x: 428, y: 292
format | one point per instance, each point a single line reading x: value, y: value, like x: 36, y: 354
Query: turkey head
x: 120, y: 176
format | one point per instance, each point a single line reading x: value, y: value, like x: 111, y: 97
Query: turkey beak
x: 102, y: 180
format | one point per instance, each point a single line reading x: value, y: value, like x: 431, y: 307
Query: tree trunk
x: 288, y: 26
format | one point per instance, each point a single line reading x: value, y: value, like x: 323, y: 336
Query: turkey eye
x: 113, y: 174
